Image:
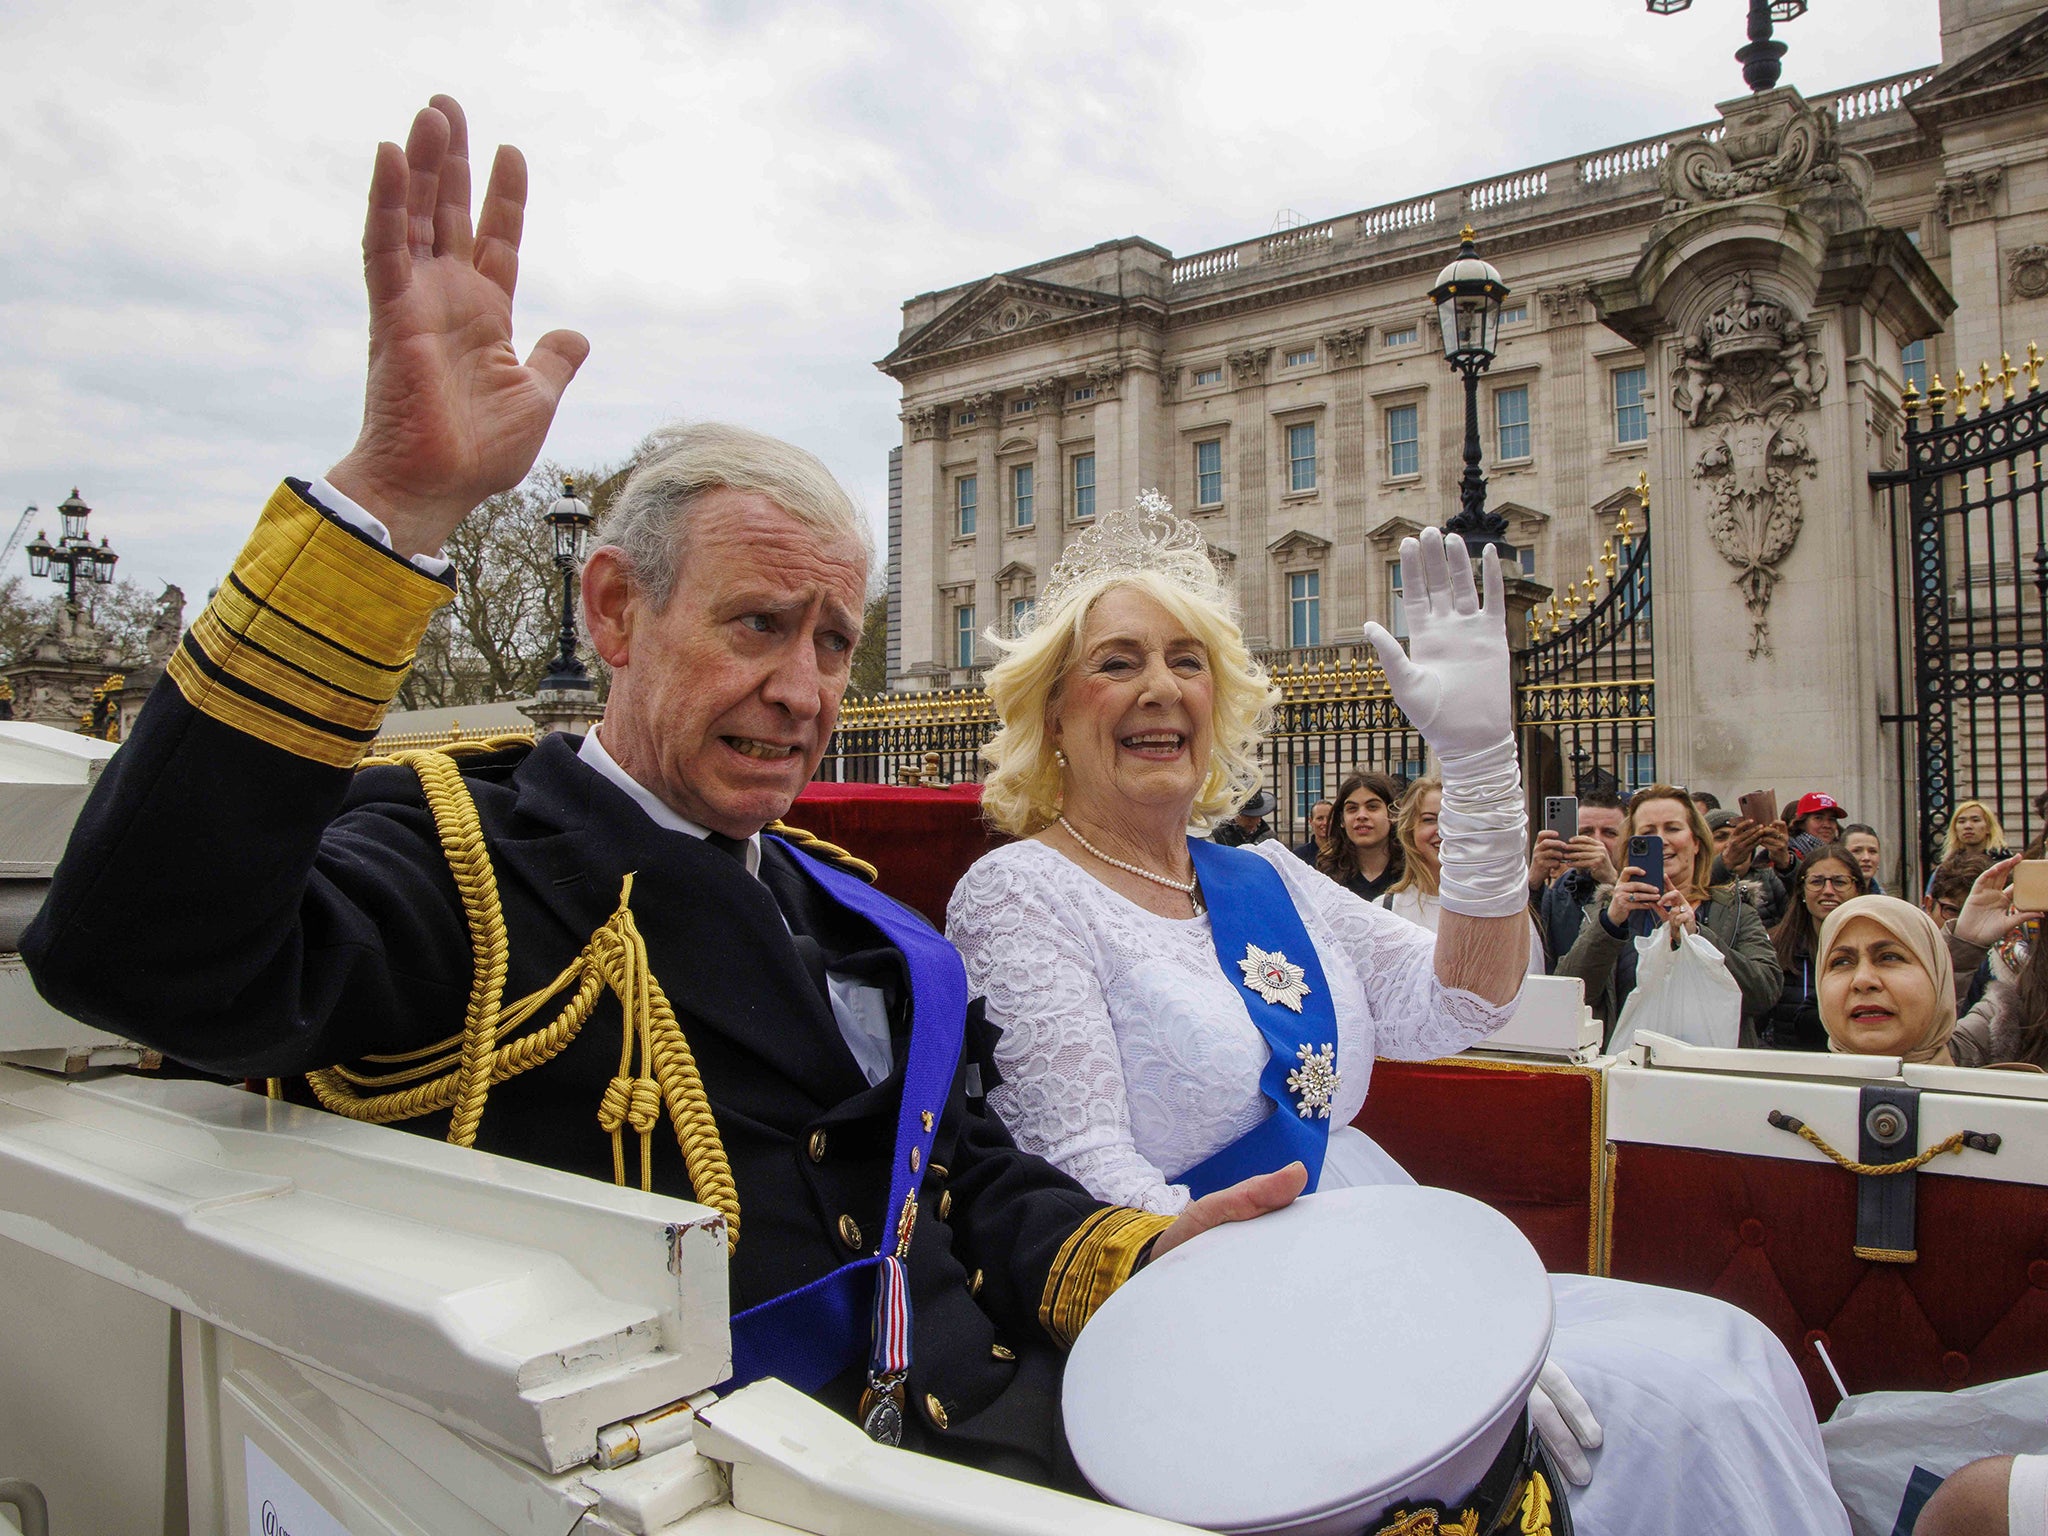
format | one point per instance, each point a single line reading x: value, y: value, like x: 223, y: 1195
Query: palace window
x: 966, y: 500
x: 1514, y: 314
x: 965, y: 419
x: 1021, y: 609
x: 1208, y: 376
x: 1400, y: 336
x: 963, y: 635
x: 1404, y: 447
x: 1084, y: 485
x: 1301, y: 359
x: 1301, y: 457
x: 1209, y: 472
x: 1305, y: 608
x: 1525, y: 558
x: 1640, y: 770
x: 1022, y: 496
x: 1511, y: 422
x: 1631, y: 422
x: 1397, y: 611
x: 1019, y: 407
x: 1308, y: 787
x: 1913, y: 363
x: 1085, y: 392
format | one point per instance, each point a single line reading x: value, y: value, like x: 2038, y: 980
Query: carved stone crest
x: 1014, y: 314
x: 1742, y: 375
x: 1773, y: 142
x: 2027, y: 271
x: 1972, y: 195
x: 1565, y: 305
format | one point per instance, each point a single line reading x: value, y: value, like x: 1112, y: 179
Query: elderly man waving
x: 447, y: 946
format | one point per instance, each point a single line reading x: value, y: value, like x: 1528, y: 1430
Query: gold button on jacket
x: 849, y: 1232
x: 817, y: 1146
x: 935, y: 1410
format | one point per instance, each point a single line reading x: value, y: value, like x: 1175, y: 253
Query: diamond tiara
x: 1145, y: 536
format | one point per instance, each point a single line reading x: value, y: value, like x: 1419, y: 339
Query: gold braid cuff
x: 1094, y: 1260
x: 657, y: 1070
x: 818, y: 848
x: 307, y: 641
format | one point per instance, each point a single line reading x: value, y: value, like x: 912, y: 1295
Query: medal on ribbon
x: 1269, y: 974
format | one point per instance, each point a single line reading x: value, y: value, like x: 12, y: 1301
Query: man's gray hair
x: 649, y: 520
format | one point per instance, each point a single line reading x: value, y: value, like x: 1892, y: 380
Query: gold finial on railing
x: 1590, y: 584
x: 2033, y: 367
x: 1607, y: 559
x: 1535, y: 626
x: 1983, y: 388
x: 1910, y: 403
x: 2006, y: 374
x: 1937, y: 397
x: 1961, y: 394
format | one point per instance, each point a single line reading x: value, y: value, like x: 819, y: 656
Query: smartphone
x: 1646, y: 854
x: 1561, y: 815
x: 1759, y: 806
x: 2030, y: 885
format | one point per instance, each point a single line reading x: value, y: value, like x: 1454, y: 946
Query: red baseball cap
x: 1818, y: 803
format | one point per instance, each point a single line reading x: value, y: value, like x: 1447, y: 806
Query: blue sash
x: 1249, y: 906
x: 810, y: 1336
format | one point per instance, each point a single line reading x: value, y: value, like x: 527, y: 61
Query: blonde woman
x: 1974, y: 828
x: 1414, y: 895
x: 1138, y: 1021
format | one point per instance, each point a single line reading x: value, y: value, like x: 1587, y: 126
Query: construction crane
x: 20, y: 533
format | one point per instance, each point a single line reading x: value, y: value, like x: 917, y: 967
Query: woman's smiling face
x: 1827, y: 883
x: 1875, y: 997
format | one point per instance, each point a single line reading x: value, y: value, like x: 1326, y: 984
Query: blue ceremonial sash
x: 809, y: 1336
x: 1249, y: 905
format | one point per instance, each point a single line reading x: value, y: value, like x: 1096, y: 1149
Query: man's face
x: 723, y: 702
x: 1319, y: 820
x: 1723, y: 836
x: 1604, y: 822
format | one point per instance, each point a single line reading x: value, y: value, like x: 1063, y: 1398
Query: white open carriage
x: 223, y: 1312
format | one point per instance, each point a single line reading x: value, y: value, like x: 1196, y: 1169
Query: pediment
x: 1016, y: 570
x: 996, y: 308
x: 2019, y: 59
x: 1298, y: 545
x: 1388, y: 535
x: 1524, y: 522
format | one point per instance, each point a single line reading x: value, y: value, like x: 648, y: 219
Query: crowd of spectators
x: 1795, y: 906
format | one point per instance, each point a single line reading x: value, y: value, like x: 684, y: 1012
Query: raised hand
x: 450, y: 414
x: 1452, y: 681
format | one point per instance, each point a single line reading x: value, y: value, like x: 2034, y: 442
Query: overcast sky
x: 731, y: 200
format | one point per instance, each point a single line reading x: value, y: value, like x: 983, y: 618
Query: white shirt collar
x: 658, y: 810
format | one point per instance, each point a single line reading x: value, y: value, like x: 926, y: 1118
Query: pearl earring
x: 1060, y: 758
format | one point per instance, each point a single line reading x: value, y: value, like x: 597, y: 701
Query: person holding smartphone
x: 1685, y: 901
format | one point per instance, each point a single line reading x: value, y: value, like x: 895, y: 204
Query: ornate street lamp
x: 1760, y: 56
x: 1467, y: 296
x: 570, y: 520
x: 74, y: 556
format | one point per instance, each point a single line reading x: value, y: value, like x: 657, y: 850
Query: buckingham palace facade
x: 1289, y: 392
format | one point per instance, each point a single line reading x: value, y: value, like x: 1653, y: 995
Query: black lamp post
x: 1760, y: 56
x: 1467, y: 296
x: 570, y: 519
x: 74, y: 555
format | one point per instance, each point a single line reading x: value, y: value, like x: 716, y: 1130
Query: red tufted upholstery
x: 1521, y: 1138
x: 1773, y: 1236
x: 921, y: 840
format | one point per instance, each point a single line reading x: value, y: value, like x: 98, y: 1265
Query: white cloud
x: 731, y: 199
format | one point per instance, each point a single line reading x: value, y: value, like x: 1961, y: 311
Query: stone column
x: 1049, y: 491
x: 1253, y: 432
x: 988, y: 514
x: 1345, y: 600
x: 1757, y: 303
x: 923, y: 558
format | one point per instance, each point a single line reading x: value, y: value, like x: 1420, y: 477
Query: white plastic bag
x: 1876, y: 1439
x: 1683, y: 991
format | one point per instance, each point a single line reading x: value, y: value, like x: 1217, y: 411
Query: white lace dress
x: 1128, y: 1057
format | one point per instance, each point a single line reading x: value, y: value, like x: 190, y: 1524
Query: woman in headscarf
x: 1887, y: 987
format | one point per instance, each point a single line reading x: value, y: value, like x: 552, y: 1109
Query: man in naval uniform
x: 277, y: 912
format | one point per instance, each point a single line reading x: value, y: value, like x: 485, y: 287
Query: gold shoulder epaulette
x: 468, y: 746
x: 818, y: 848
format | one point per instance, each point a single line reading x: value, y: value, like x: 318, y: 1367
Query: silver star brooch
x: 1316, y: 1080
x: 1272, y: 977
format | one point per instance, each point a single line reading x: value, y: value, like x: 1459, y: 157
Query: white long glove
x: 1564, y: 1423
x: 1452, y: 683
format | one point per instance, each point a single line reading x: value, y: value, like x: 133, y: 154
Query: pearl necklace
x: 1185, y: 887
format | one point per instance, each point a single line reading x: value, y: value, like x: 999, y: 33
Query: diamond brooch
x: 1315, y: 1081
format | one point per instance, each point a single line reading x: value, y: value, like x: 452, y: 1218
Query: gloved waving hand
x: 1452, y: 683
